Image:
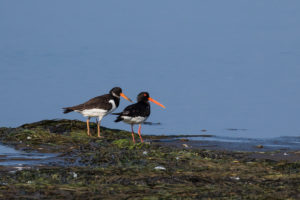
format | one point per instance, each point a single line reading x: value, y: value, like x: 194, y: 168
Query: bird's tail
x: 67, y: 110
x: 119, y: 118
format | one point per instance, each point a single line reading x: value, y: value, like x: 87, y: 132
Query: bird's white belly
x: 95, y: 112
x: 98, y: 112
x: 134, y: 120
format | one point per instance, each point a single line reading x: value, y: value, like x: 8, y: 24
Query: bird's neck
x: 116, y: 100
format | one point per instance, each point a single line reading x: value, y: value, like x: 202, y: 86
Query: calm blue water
x: 214, y: 64
x: 12, y: 157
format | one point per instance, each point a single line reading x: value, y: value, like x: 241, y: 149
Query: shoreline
x: 78, y: 166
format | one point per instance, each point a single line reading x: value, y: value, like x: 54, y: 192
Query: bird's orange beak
x: 125, y: 97
x: 156, y: 102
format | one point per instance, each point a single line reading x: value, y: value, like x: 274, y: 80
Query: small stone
x: 259, y: 146
x: 145, y: 152
x: 185, y: 145
x: 177, y: 158
x: 28, y: 138
x: 74, y: 175
x: 160, y: 168
x: 285, y: 154
x: 235, y: 178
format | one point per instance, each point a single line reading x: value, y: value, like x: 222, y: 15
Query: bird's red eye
x: 145, y: 94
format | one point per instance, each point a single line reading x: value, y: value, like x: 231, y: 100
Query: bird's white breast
x: 98, y: 112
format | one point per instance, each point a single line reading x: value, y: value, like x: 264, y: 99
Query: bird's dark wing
x: 136, y: 109
x: 101, y: 102
x: 130, y: 110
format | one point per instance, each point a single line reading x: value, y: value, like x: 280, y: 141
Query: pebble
x: 160, y: 168
x: 145, y: 152
x: 185, y: 145
x: 235, y: 178
x: 74, y: 175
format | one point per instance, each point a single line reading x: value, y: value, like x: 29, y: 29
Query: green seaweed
x: 114, y: 167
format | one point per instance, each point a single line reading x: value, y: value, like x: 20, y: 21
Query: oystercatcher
x: 99, y: 107
x: 137, y: 113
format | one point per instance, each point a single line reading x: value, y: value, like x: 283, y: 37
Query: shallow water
x: 248, y: 144
x: 12, y: 157
x: 280, y: 144
x: 214, y: 65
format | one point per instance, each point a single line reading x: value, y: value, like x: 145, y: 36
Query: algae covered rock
x: 113, y: 167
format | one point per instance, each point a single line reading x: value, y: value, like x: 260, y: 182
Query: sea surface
x: 12, y: 157
x: 225, y: 68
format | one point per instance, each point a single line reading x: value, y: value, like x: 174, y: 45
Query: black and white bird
x: 99, y: 106
x: 137, y: 113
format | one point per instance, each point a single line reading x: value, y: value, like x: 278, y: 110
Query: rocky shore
x: 113, y: 167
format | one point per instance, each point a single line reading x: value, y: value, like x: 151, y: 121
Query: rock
x: 235, y: 178
x: 185, y: 145
x: 159, y: 168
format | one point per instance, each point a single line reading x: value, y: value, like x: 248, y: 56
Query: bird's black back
x: 140, y: 109
x: 101, y: 102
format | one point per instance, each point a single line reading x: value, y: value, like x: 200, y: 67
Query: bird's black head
x: 143, y: 96
x: 116, y: 91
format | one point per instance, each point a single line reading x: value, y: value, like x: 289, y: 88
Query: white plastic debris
x: 160, y: 168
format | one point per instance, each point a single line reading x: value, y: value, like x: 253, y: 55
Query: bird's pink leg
x: 139, y: 132
x: 132, y: 134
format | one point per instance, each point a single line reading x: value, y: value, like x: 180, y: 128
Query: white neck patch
x: 112, y: 102
x: 115, y: 95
